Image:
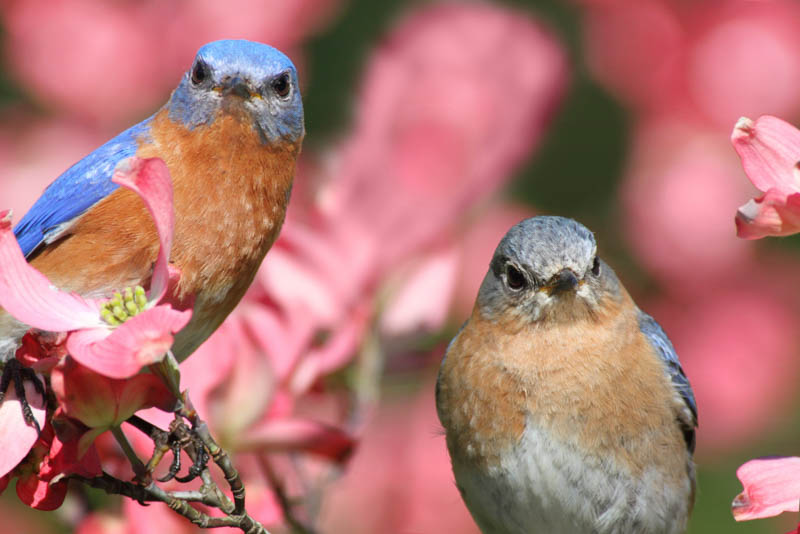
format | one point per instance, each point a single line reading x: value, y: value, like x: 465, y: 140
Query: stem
x: 136, y: 463
x: 152, y: 493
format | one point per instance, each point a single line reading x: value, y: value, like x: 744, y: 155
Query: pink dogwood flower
x: 102, y: 403
x: 771, y: 486
x: 114, y: 351
x: 770, y: 152
x: 41, y: 483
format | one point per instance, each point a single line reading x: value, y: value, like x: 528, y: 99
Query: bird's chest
x: 555, y: 431
x: 230, y: 197
x: 544, y: 485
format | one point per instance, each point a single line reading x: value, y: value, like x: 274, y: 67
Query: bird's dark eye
x: 199, y: 73
x: 514, y: 278
x: 281, y: 85
x: 596, y: 266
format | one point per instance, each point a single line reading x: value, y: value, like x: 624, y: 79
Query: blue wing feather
x: 79, y: 188
x: 663, y: 347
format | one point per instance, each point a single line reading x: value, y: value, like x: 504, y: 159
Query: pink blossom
x: 115, y: 352
x: 770, y: 152
x: 771, y: 486
x: 102, y: 403
x: 40, y: 483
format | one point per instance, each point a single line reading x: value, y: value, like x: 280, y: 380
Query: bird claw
x: 14, y: 371
x: 181, y: 437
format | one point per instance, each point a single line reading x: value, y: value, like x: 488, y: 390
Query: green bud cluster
x: 132, y: 301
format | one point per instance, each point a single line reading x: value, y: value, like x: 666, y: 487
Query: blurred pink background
x: 432, y: 128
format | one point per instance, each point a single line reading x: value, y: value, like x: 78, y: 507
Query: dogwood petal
x: 774, y: 214
x: 100, y: 402
x: 771, y: 486
x: 40, y: 494
x: 139, y: 341
x: 300, y: 435
x: 150, y: 179
x: 16, y: 436
x: 769, y: 149
x: 28, y: 295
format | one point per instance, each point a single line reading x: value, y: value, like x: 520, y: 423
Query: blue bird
x: 230, y: 135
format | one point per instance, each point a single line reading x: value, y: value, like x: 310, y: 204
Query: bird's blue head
x: 235, y: 75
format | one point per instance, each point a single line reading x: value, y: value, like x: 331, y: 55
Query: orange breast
x: 594, y: 382
x: 230, y: 197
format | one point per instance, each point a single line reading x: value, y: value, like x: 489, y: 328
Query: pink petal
x: 101, y: 402
x: 774, y: 214
x: 289, y: 435
x: 39, y: 494
x: 423, y: 300
x: 150, y: 179
x: 29, y: 296
x: 139, y: 341
x: 771, y: 486
x: 16, y: 436
x: 769, y: 149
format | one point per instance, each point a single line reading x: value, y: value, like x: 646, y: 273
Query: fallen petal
x: 771, y: 486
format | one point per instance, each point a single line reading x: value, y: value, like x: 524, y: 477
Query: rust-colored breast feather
x: 230, y: 196
x: 594, y: 382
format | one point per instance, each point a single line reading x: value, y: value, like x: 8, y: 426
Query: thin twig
x: 152, y: 493
x: 137, y: 465
x: 296, y: 524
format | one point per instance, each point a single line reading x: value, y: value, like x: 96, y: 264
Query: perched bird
x: 565, y: 406
x: 230, y: 135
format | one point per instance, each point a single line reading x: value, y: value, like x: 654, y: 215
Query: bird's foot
x: 14, y: 371
x: 181, y: 437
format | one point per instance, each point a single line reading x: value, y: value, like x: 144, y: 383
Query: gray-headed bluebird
x: 229, y: 134
x: 565, y: 406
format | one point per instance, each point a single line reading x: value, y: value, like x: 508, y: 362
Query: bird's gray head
x: 234, y: 76
x: 546, y: 267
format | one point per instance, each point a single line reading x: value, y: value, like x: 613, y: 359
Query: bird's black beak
x: 237, y: 86
x: 564, y: 280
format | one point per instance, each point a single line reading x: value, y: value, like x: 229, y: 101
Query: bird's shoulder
x: 79, y: 188
x: 662, y: 346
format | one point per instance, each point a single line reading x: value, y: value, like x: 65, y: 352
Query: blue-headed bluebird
x: 565, y: 406
x: 230, y: 135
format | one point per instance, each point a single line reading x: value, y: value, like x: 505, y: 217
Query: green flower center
x: 123, y: 306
